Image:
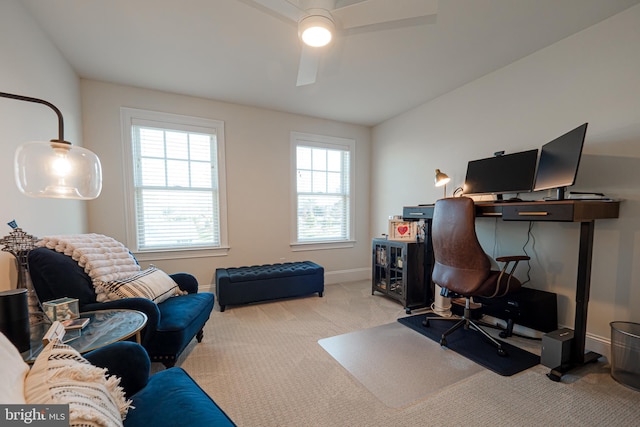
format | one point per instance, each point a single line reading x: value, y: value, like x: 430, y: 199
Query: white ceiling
x: 236, y: 51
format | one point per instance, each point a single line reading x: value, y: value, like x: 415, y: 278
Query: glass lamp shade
x: 316, y: 30
x: 57, y: 170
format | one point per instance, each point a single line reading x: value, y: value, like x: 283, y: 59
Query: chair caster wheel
x: 502, y: 352
x: 407, y: 310
x: 503, y: 334
x: 443, y: 342
x: 425, y: 322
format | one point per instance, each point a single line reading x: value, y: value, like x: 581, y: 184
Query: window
x: 323, y: 188
x: 176, y: 192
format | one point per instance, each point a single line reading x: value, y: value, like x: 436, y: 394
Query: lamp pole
x: 48, y: 104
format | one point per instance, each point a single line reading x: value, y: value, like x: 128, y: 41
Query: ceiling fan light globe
x: 316, y: 36
x: 316, y: 30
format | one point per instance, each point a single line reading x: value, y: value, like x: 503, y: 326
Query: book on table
x: 56, y: 330
x: 75, y: 323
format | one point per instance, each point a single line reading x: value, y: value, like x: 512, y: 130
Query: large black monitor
x: 505, y: 174
x: 559, y: 161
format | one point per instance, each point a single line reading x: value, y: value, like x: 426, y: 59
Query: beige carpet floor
x: 263, y: 365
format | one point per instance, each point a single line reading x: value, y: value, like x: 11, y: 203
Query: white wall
x: 592, y: 76
x: 258, y: 178
x: 32, y: 66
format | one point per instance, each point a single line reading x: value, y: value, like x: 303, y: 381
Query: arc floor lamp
x: 56, y: 169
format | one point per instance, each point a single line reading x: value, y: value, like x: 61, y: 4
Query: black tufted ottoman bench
x: 245, y: 285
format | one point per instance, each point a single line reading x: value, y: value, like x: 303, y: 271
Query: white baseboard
x: 598, y: 344
x: 595, y: 343
x: 330, y: 277
x: 340, y: 276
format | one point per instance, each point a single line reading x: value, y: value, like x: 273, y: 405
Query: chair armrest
x: 513, y: 258
x: 186, y: 282
x: 508, y: 260
x: 127, y: 360
x: 144, y: 305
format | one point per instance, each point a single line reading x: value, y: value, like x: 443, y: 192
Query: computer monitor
x: 505, y: 174
x: 559, y: 161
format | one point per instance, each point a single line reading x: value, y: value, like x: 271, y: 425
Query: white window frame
x: 329, y: 142
x: 132, y: 116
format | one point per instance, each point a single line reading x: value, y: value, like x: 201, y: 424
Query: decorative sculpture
x: 18, y: 243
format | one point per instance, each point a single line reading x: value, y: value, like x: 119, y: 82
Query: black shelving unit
x: 400, y: 272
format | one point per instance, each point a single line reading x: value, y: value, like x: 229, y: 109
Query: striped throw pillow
x: 152, y: 283
x: 60, y: 375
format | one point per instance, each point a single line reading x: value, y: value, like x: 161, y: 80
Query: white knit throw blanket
x: 103, y: 258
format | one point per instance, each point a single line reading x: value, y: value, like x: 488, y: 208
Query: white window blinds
x: 176, y: 186
x: 323, y: 188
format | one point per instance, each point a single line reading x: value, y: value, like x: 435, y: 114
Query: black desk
x: 583, y: 211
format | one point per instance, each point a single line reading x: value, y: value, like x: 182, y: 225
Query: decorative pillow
x: 13, y: 371
x: 61, y: 376
x: 151, y: 283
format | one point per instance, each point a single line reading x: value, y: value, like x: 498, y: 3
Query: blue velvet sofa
x: 167, y: 398
x: 171, y: 324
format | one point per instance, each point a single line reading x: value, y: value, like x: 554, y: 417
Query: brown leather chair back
x: 461, y: 264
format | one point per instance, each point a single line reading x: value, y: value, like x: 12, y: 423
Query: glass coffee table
x: 105, y: 327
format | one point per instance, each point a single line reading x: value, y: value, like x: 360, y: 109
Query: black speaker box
x: 556, y: 348
x: 14, y: 318
x: 526, y: 307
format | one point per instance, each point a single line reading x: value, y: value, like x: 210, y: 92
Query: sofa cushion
x: 13, y: 371
x: 190, y: 405
x: 180, y: 320
x: 60, y: 375
x: 152, y: 283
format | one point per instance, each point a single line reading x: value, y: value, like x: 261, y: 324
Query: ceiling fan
x: 319, y: 21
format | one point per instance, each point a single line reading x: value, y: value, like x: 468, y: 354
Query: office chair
x: 461, y: 266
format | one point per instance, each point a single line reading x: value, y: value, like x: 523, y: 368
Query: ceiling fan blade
x: 371, y: 12
x: 308, y: 68
x: 288, y: 9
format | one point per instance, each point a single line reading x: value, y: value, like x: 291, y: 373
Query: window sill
x: 314, y: 246
x: 181, y: 254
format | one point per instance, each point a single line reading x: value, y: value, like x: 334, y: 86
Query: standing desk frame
x: 583, y: 211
